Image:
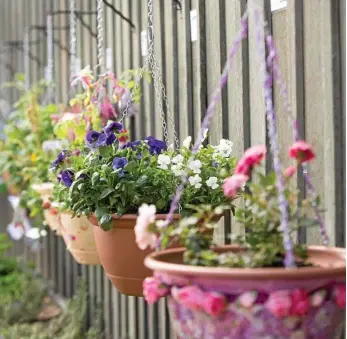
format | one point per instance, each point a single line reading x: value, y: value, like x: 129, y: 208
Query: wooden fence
x: 310, y: 36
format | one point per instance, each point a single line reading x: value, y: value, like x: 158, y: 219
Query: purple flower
x: 67, y: 177
x: 133, y: 145
x: 60, y: 158
x: 155, y: 146
x: 119, y: 162
x: 91, y: 138
x: 113, y: 127
x: 215, y: 164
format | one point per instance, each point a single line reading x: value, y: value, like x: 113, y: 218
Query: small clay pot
x: 79, y: 238
x: 51, y: 215
x: 120, y: 256
x: 305, y: 302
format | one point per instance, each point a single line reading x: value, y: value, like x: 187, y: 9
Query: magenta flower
x: 290, y: 171
x: 300, y: 302
x: 301, y: 151
x: 153, y: 290
x: 279, y: 303
x: 252, y: 157
x: 214, y: 303
x: 340, y: 295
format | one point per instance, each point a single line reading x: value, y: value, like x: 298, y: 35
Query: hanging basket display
x: 50, y: 213
x: 120, y: 256
x: 217, y: 302
x: 79, y: 239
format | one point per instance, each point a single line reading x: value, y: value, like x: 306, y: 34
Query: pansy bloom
x: 155, y: 146
x: 119, y: 162
x: 67, y: 177
x: 60, y: 158
x: 113, y: 127
x: 91, y: 138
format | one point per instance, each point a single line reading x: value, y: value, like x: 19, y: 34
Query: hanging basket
x: 120, y: 256
x: 217, y: 302
x: 51, y: 214
x: 79, y: 239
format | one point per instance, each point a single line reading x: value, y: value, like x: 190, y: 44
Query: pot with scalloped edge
x: 240, y: 303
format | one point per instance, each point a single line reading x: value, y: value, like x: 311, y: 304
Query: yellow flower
x: 33, y: 157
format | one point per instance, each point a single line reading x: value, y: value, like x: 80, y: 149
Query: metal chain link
x: 101, y: 58
x: 50, y: 60
x: 73, y: 53
x: 157, y: 80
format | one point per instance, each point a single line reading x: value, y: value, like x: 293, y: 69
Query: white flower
x: 170, y: 147
x: 144, y: 238
x: 163, y: 161
x: 188, y: 221
x: 195, y: 166
x: 160, y: 223
x: 195, y: 181
x: 177, y: 159
x: 212, y: 182
x: 187, y: 142
x: 177, y: 170
x: 224, y: 148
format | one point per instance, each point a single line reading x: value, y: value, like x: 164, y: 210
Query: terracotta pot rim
x: 158, y: 261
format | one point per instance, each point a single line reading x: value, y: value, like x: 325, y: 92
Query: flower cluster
x: 280, y: 303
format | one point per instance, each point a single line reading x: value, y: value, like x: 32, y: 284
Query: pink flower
x: 253, y: 156
x: 233, y: 184
x: 214, y: 303
x: 300, y: 302
x: 279, y: 303
x: 340, y: 295
x: 153, y: 290
x: 144, y: 237
x: 318, y: 298
x: 290, y: 171
x: 301, y: 151
x: 190, y: 296
x: 107, y: 111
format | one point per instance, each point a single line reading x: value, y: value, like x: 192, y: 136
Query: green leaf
x: 131, y: 166
x: 105, y: 193
x: 105, y: 151
x: 100, y: 211
x: 105, y: 219
x: 95, y: 178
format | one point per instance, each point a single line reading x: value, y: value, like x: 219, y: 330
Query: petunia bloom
x: 145, y: 238
x: 301, y: 151
x: 252, y: 157
x: 232, y: 184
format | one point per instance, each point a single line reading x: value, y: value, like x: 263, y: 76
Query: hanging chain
x: 152, y: 66
x: 101, y: 58
x: 26, y: 59
x: 49, y: 48
x: 73, y: 54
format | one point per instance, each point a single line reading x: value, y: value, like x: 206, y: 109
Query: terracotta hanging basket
x: 219, y: 302
x: 51, y: 214
x: 79, y: 239
x: 120, y: 256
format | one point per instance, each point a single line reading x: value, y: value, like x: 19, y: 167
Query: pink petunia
x: 300, y: 302
x: 252, y: 157
x: 301, y: 151
x: 290, y: 171
x: 144, y: 237
x: 279, y: 304
x: 214, y: 303
x: 153, y: 290
x: 233, y: 184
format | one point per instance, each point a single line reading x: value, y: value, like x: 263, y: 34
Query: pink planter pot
x: 79, y: 239
x: 220, y: 303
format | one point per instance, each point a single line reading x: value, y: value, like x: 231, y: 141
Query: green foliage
x: 101, y: 189
x: 261, y: 218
